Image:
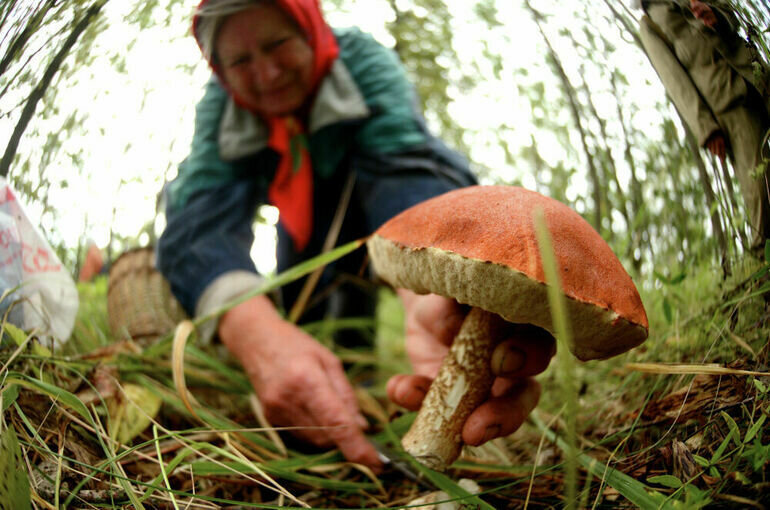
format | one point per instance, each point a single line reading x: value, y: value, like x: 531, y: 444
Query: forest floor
x: 679, y: 422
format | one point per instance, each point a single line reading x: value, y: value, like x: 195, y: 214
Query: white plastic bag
x: 41, y: 292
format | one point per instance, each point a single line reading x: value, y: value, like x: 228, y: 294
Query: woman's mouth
x: 276, y: 91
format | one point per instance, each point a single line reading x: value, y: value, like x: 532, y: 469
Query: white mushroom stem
x: 462, y: 384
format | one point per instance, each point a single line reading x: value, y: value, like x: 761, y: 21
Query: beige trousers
x: 745, y: 130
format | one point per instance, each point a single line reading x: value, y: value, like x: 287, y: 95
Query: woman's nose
x: 265, y: 71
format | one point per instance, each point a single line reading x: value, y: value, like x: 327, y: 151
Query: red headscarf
x: 292, y: 187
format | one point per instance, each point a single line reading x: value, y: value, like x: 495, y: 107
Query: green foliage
x: 670, y: 290
x: 91, y: 330
x: 56, y: 151
x: 694, y: 498
x: 487, y: 12
x: 635, y: 491
x: 18, y: 336
x: 14, y: 484
x: 669, y: 481
x: 757, y: 454
x: 9, y: 395
x: 424, y: 42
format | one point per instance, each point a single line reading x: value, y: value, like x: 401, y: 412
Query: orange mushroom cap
x: 478, y: 245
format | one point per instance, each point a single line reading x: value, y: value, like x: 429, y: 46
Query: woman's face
x: 265, y: 60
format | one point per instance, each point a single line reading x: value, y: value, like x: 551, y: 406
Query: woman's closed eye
x: 237, y: 61
x: 273, y: 45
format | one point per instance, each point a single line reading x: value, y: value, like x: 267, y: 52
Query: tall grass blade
x: 564, y: 340
x: 278, y: 281
x: 232, y: 378
x: 60, y: 395
x: 287, y: 276
x: 14, y: 484
x: 213, y: 420
x: 208, y: 468
x: 681, y: 368
x: 163, y: 466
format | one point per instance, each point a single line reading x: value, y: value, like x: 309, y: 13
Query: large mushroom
x: 478, y: 246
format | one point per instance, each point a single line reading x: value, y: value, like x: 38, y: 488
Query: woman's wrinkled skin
x: 300, y: 382
x: 265, y: 60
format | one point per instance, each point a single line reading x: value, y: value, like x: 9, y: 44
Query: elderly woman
x: 293, y: 112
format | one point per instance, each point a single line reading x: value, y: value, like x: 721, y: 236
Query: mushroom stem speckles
x: 463, y: 382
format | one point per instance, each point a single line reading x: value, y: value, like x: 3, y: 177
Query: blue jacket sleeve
x: 211, y: 207
x: 389, y: 184
x: 209, y: 236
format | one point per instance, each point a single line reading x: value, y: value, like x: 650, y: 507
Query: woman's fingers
x: 312, y: 393
x: 526, y: 352
x: 431, y: 324
x: 341, y: 427
x: 341, y: 385
x: 431, y: 315
x: 502, y: 415
x: 408, y: 391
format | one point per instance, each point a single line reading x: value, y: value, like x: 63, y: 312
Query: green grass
x: 668, y: 440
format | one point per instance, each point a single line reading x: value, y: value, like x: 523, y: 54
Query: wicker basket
x: 139, y: 301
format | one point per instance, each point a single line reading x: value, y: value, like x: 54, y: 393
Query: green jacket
x: 706, y: 71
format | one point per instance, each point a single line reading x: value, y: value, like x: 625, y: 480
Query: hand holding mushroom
x: 478, y: 246
x: 432, y: 322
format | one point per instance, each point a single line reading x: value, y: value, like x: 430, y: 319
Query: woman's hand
x: 299, y: 382
x: 431, y: 324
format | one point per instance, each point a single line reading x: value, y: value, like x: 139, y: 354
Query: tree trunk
x: 625, y: 22
x: 5, y: 15
x: 636, y: 187
x: 45, y: 81
x: 610, y: 169
x: 21, y: 39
